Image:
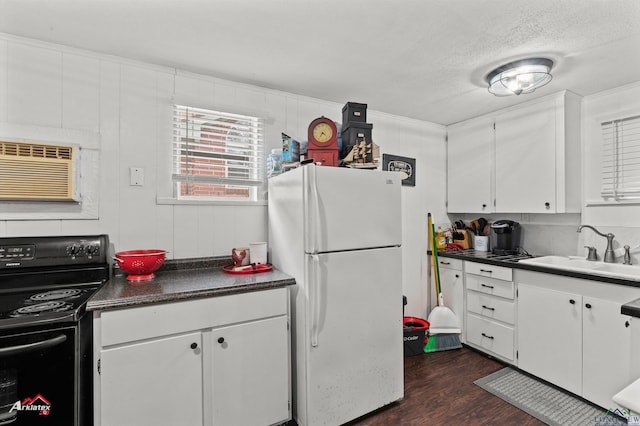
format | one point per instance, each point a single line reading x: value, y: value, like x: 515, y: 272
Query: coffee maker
x: 506, y: 235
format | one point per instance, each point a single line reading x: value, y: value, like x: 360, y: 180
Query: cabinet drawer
x: 491, y: 307
x: 489, y: 286
x: 490, y: 335
x: 163, y: 319
x: 492, y: 271
x: 448, y: 263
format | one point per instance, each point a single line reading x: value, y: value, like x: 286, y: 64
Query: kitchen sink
x: 580, y: 264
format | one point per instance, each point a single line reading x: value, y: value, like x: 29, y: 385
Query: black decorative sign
x: 395, y: 163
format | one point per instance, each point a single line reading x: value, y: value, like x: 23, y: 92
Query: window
x: 216, y: 155
x: 621, y: 159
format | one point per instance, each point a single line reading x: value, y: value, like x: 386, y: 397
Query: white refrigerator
x: 338, y: 232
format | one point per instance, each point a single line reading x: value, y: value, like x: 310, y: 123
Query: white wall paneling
x: 34, y: 85
x: 124, y: 109
x: 80, y: 92
x: 3, y: 79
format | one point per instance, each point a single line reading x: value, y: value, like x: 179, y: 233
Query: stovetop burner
x: 58, y: 294
x: 42, y: 308
x: 507, y: 256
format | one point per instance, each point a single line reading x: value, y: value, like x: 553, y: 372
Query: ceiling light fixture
x: 522, y: 76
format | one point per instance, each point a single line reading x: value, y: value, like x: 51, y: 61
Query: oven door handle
x: 20, y: 349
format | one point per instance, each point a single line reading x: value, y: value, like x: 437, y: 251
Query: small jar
x: 274, y: 163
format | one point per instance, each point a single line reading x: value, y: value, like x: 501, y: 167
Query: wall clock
x: 323, y: 142
x: 323, y: 134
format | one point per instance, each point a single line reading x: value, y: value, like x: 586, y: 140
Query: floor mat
x: 543, y: 401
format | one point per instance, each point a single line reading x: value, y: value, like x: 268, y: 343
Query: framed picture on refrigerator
x: 396, y: 163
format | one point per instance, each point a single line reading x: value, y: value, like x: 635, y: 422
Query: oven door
x: 37, y: 377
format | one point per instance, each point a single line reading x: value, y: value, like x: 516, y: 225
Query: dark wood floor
x: 439, y: 390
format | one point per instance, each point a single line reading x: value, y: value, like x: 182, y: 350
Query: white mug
x: 258, y: 252
x: 481, y: 243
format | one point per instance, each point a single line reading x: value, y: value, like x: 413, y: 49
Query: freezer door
x: 350, y: 209
x: 355, y: 348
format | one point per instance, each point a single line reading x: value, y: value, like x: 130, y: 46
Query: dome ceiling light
x: 522, y: 76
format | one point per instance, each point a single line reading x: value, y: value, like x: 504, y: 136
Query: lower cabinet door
x: 550, y: 335
x: 606, y: 351
x: 250, y: 373
x: 158, y: 382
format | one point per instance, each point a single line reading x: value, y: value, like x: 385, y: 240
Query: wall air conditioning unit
x: 37, y: 172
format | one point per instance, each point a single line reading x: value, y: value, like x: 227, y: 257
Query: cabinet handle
x: 486, y: 307
x: 488, y: 271
x: 487, y: 336
x: 220, y: 340
x: 487, y: 286
x: 484, y: 206
x: 194, y: 345
x: 457, y: 276
x: 587, y: 305
x: 547, y: 205
x: 626, y: 324
x: 573, y: 302
x: 445, y: 263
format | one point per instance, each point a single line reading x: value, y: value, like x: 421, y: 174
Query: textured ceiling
x: 424, y: 59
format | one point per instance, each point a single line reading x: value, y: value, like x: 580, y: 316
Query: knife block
x: 462, y: 238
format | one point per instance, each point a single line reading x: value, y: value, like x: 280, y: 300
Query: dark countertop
x: 484, y: 257
x: 631, y: 308
x: 181, y: 280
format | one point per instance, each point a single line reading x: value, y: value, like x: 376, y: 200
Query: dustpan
x: 441, y: 318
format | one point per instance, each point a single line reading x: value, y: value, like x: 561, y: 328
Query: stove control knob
x: 73, y: 250
x: 92, y: 250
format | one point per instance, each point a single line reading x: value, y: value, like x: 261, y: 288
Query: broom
x: 444, y: 326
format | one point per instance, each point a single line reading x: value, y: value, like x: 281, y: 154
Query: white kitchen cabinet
x: 527, y: 159
x: 490, y: 309
x: 550, y: 335
x: 635, y: 348
x: 606, y: 350
x: 537, y: 159
x: 470, y: 166
x: 250, y: 362
x: 571, y: 333
x: 452, y: 285
x: 196, y: 362
x: 152, y: 383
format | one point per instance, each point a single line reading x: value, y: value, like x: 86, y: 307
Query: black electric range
x: 45, y: 334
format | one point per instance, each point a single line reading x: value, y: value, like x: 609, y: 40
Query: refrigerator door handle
x: 315, y: 301
x: 314, y: 222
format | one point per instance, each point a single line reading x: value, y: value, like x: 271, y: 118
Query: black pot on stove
x: 506, y: 236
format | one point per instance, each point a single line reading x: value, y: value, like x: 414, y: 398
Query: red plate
x: 249, y: 269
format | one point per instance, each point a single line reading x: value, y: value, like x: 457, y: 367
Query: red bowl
x: 140, y: 264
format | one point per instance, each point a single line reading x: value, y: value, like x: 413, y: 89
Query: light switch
x: 136, y: 176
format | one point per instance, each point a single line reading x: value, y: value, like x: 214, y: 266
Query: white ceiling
x: 424, y: 59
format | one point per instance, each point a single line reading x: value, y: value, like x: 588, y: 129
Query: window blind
x: 621, y: 159
x: 216, y: 154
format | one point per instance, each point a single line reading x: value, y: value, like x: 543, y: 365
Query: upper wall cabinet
x: 532, y: 159
x: 470, y: 166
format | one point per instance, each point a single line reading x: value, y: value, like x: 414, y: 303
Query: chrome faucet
x: 627, y: 255
x: 609, y: 256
